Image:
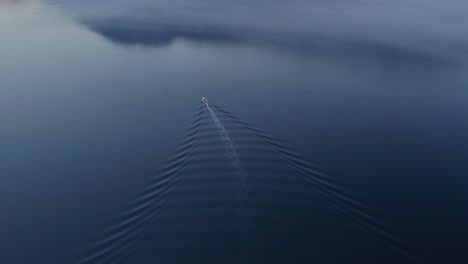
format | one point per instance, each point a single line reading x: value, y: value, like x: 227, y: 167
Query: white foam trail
x: 239, y: 176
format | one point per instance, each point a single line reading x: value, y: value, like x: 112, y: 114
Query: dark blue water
x: 335, y: 131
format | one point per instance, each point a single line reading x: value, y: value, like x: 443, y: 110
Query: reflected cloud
x: 402, y: 29
x: 131, y: 33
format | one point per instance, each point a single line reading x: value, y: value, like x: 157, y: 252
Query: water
x: 336, y: 131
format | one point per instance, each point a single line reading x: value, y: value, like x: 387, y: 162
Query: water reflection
x: 400, y: 31
x: 142, y: 34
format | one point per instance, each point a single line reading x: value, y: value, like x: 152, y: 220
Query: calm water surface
x: 336, y: 131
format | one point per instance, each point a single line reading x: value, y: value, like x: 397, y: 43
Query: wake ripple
x: 189, y: 212
x: 355, y: 212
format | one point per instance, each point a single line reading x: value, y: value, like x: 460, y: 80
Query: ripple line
x: 336, y: 196
x: 121, y: 236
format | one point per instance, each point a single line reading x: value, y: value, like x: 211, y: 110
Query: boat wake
x: 282, y: 209
x: 245, y: 213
